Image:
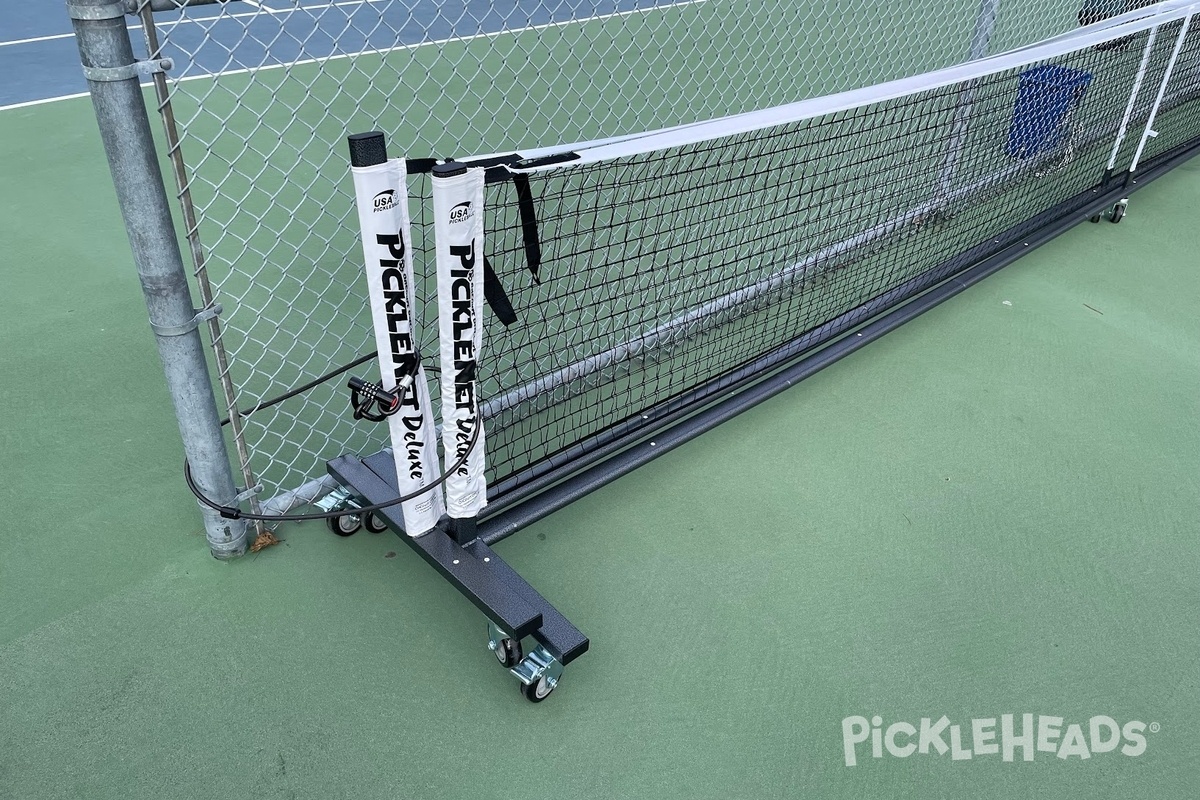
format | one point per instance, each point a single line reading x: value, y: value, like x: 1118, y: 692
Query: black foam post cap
x: 449, y: 169
x: 367, y: 149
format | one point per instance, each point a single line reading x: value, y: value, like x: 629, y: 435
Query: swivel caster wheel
x: 508, y: 653
x: 539, y: 690
x: 345, y: 524
x: 374, y: 524
x: 1113, y: 215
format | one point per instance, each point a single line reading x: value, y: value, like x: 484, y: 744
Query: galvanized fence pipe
x: 113, y: 75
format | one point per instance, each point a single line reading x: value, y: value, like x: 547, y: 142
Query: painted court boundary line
x: 33, y: 39
x: 170, y: 23
x: 43, y: 101
x: 262, y: 9
x: 383, y: 50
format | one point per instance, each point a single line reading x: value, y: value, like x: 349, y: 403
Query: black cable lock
x: 365, y: 396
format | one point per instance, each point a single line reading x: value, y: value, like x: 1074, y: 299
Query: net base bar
x: 620, y: 453
x: 473, y: 568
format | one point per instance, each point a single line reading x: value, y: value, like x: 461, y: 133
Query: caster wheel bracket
x: 1113, y: 214
x: 538, y: 671
x: 539, y: 667
x: 339, y: 499
x: 1118, y: 211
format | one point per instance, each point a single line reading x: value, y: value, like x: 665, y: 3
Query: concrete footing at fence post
x: 113, y: 77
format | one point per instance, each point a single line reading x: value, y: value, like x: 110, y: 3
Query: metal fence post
x: 113, y: 75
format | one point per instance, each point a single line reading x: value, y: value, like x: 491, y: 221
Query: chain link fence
x: 262, y: 96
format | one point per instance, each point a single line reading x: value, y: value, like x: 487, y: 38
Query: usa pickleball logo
x: 384, y: 200
x: 461, y: 213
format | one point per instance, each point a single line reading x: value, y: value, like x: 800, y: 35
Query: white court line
x: 173, y: 22
x: 261, y: 7
x: 45, y: 100
x: 438, y: 42
x: 385, y: 50
x: 170, y: 23
x: 38, y: 39
x: 265, y: 10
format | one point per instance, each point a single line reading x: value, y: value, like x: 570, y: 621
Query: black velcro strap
x: 529, y: 230
x: 496, y: 174
x: 419, y: 166
x: 494, y: 293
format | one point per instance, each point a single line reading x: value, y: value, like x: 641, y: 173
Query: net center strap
x: 496, y: 171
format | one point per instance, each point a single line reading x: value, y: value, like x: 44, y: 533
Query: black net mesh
x: 667, y: 278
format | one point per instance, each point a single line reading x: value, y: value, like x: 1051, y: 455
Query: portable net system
x: 260, y: 96
x: 641, y: 289
x: 648, y: 275
x: 571, y: 311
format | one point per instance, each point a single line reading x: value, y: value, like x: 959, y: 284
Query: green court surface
x: 990, y: 511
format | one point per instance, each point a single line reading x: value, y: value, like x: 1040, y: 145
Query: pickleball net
x: 650, y: 275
